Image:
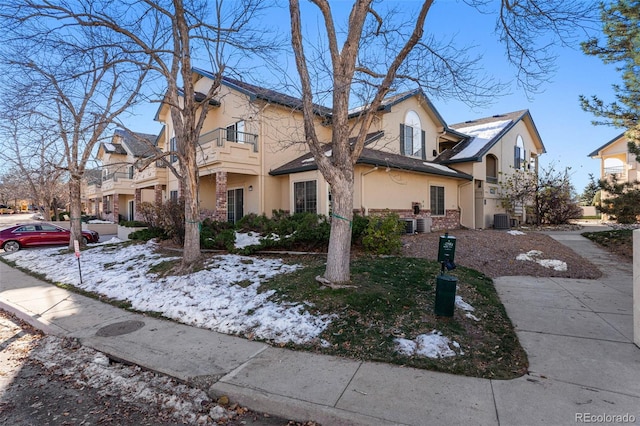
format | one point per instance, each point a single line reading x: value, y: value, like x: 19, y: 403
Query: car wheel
x: 85, y: 241
x: 11, y: 246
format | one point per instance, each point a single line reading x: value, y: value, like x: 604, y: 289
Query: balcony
x: 616, y: 170
x: 235, y: 151
x: 155, y: 173
x: 117, y: 182
x: 93, y: 191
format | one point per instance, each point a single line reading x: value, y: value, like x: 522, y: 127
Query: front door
x: 235, y: 205
x: 130, y: 213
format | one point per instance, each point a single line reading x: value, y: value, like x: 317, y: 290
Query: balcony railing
x: 220, y: 136
x: 115, y: 176
x: 615, y: 170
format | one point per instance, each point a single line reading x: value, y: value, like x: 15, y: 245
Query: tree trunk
x: 339, y: 254
x: 191, y: 252
x: 75, y: 212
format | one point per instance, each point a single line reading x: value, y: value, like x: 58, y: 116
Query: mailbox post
x: 446, y: 284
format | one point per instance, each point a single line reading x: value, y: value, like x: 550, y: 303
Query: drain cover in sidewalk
x: 120, y: 328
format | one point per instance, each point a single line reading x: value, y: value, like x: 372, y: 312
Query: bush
x: 358, y: 227
x: 168, y: 217
x: 133, y: 224
x: 383, y: 234
x: 217, y: 235
x: 147, y: 234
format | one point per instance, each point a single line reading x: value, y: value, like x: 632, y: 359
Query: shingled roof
x: 482, y: 134
x: 138, y: 144
x: 374, y: 157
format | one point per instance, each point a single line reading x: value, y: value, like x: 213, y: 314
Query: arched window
x: 492, y: 168
x: 412, y: 136
x: 519, y: 155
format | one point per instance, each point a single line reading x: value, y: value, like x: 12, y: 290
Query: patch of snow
x: 463, y: 305
x: 247, y: 239
x: 439, y: 167
x: 432, y: 345
x: 99, y: 221
x: 88, y: 368
x: 514, y: 232
x: 482, y: 134
x: 211, y: 298
x: 535, y: 256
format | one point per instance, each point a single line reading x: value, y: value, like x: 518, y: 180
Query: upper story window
x: 519, y: 155
x: 412, y: 137
x: 235, y: 132
x: 173, y: 147
x: 492, y: 168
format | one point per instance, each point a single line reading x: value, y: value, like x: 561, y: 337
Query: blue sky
x: 565, y: 129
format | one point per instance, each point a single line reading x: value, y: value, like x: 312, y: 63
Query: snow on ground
x: 434, y: 344
x: 431, y: 345
x: 99, y: 221
x: 514, y: 232
x: 224, y: 296
x: 536, y: 256
x: 90, y: 368
x: 245, y: 240
x: 466, y: 307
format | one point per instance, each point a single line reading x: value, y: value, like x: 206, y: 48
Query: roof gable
x: 483, y: 134
x: 597, y: 152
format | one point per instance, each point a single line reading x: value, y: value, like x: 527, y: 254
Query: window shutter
x: 402, y: 139
x: 424, y: 147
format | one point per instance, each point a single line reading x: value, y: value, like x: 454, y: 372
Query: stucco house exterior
x: 253, y: 159
x: 112, y: 196
x: 615, y: 159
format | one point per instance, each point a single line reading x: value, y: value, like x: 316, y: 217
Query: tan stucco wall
x: 390, y: 123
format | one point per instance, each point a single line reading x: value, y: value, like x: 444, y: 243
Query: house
x: 119, y: 158
x: 252, y: 158
x: 616, y: 161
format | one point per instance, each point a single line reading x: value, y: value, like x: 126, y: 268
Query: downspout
x: 362, y: 204
x: 473, y: 203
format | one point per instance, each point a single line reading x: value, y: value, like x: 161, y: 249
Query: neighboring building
x: 119, y: 158
x: 616, y: 160
x: 253, y: 159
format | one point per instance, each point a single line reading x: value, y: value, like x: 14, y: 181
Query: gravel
x: 495, y: 253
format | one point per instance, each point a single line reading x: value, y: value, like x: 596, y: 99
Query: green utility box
x: 447, y: 248
x: 445, y: 295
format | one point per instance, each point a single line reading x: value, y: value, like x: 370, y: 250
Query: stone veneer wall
x: 451, y: 219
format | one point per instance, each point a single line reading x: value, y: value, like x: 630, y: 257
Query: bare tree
x: 70, y: 84
x: 36, y: 164
x: 378, y: 53
x: 172, y: 33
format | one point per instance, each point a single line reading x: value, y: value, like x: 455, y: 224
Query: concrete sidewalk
x: 577, y: 333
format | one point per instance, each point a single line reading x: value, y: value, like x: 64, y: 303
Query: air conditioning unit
x: 409, y: 226
x: 423, y: 225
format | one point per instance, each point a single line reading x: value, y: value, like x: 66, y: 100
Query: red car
x: 38, y: 234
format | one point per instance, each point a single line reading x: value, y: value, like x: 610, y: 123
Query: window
x: 235, y: 132
x: 492, y: 169
x: 412, y: 137
x: 130, y: 172
x: 173, y: 147
x: 305, y: 197
x: 173, y: 196
x: 437, y: 200
x: 519, y: 158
